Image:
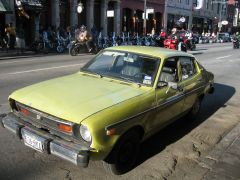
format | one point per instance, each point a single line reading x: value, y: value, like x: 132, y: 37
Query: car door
x: 191, y: 81
x: 169, y: 101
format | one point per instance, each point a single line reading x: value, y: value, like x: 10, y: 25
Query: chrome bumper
x: 75, y: 153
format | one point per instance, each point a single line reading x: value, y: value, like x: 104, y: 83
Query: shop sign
x: 199, y: 4
x: 182, y: 19
x: 224, y: 22
x: 143, y: 14
x: 150, y: 10
x: 110, y: 13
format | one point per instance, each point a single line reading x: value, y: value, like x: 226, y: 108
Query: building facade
x: 41, y: 14
x: 119, y: 15
x: 178, y: 13
x: 95, y: 13
x: 233, y: 16
x: 133, y: 18
x: 210, y: 16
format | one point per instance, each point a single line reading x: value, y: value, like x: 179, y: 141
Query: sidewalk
x: 224, y: 159
x: 15, y: 53
x: 222, y: 162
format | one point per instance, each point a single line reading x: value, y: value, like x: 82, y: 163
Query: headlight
x: 85, y: 133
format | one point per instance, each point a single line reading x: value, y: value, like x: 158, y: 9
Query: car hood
x: 75, y: 97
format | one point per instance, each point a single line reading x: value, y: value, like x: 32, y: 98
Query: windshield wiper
x: 92, y: 72
x: 129, y: 80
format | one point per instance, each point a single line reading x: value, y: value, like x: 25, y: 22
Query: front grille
x: 42, y: 120
x: 47, y: 122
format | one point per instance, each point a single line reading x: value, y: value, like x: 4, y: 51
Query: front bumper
x: 45, y: 142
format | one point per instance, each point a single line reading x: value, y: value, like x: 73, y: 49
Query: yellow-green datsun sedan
x: 103, y: 112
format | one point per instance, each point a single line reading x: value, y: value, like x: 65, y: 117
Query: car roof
x: 150, y: 51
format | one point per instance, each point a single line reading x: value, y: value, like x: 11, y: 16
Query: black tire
x: 45, y: 50
x: 60, y: 49
x: 95, y: 50
x: 123, y: 156
x: 73, y: 51
x: 193, y: 47
x: 193, y: 113
x: 39, y: 47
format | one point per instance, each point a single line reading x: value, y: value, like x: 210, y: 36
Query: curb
x: 224, y: 144
x: 211, y: 160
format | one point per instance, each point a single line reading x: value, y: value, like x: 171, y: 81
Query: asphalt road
x: 169, y: 155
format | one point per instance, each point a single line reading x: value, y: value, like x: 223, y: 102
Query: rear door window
x: 188, y: 67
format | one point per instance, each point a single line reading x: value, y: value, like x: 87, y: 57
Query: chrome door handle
x: 199, y: 80
x: 180, y: 89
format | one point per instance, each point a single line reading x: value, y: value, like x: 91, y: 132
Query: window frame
x: 193, y: 60
x: 177, y: 68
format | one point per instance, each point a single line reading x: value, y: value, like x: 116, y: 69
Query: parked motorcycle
x: 159, y: 41
x: 189, y: 44
x: 182, y: 46
x: 175, y: 44
x: 235, y: 43
x: 171, y: 43
x: 80, y: 47
x: 63, y: 43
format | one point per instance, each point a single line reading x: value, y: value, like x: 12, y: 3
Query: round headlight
x: 85, y: 133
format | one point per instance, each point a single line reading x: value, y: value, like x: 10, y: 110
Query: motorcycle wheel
x: 60, y: 49
x: 193, y: 47
x: 73, y: 51
x: 39, y: 47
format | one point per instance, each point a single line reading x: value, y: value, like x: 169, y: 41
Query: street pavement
x: 205, y: 149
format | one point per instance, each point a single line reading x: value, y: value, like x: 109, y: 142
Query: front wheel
x: 73, y: 51
x: 123, y: 156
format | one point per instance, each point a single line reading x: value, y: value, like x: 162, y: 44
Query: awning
x: 32, y: 4
x: 5, y: 6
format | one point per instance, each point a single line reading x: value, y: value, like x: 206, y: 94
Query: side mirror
x: 162, y: 84
x: 173, y: 85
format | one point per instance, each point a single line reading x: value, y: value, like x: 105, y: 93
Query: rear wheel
x: 60, y: 49
x: 124, y: 154
x: 193, y: 47
x: 193, y: 113
x: 73, y: 51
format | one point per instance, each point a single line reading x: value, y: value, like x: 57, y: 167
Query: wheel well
x: 201, y: 97
x: 139, y: 129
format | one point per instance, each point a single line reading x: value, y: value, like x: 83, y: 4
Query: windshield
x: 130, y: 67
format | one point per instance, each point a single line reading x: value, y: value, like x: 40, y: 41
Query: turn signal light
x: 111, y: 132
x: 24, y: 111
x: 65, y: 128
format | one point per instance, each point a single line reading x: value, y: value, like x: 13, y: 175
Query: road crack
x: 196, y: 149
x: 67, y: 176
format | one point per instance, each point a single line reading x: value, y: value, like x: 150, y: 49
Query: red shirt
x: 163, y: 34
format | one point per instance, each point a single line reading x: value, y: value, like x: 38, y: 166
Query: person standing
x: 11, y: 32
x: 153, y: 32
x: 163, y: 34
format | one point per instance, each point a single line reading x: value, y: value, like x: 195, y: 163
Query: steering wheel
x: 139, y: 74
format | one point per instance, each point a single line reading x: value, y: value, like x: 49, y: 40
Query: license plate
x: 33, y: 141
